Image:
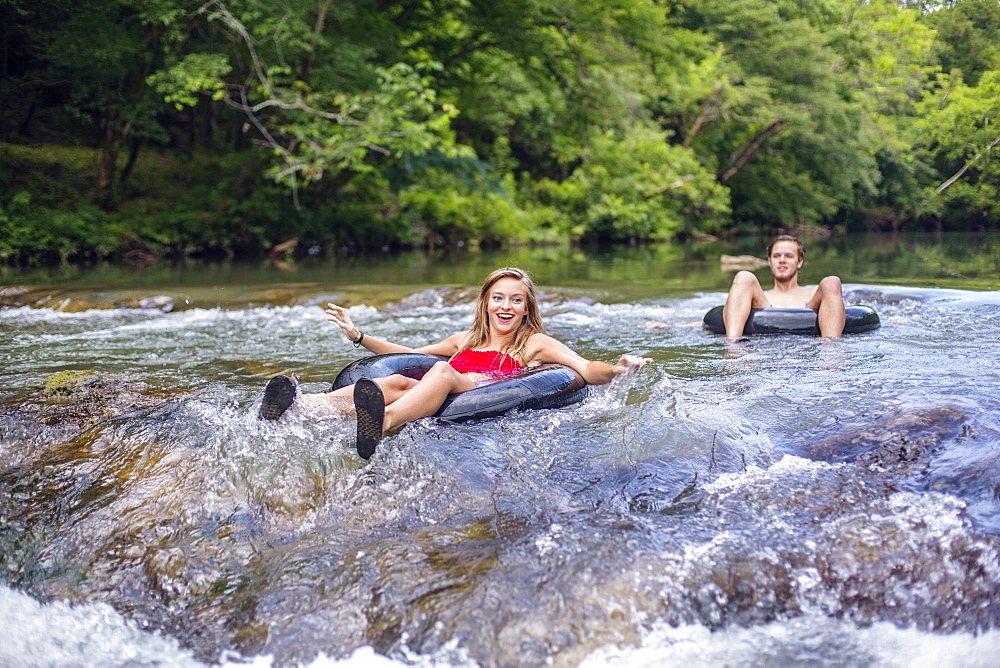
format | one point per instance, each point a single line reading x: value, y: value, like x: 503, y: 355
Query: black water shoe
x: 370, y: 407
x: 278, y: 396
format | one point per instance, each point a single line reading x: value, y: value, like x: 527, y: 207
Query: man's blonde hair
x: 788, y: 237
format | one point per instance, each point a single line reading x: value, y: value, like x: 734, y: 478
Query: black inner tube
x: 545, y: 386
x: 804, y: 321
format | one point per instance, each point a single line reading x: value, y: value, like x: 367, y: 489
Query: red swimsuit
x: 492, y: 363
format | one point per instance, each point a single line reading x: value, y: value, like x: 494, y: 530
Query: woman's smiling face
x: 506, y: 305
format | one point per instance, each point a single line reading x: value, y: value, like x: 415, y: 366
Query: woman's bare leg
x: 341, y: 401
x: 426, y: 397
x: 376, y: 415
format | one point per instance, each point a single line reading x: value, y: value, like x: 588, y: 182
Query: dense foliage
x: 230, y: 126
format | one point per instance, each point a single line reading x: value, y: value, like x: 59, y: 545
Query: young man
x: 785, y: 256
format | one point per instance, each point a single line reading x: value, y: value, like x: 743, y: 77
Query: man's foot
x: 278, y: 396
x: 369, y: 404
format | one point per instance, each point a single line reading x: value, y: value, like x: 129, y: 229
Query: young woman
x: 507, y: 336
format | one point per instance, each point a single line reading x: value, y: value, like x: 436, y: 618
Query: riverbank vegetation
x: 224, y: 128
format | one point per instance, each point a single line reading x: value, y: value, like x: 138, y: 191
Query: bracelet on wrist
x: 357, y: 344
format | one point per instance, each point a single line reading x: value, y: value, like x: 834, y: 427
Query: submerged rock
x: 900, y: 441
x: 73, y: 401
x: 738, y: 262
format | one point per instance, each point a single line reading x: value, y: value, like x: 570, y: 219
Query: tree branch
x: 937, y: 191
x: 324, y: 6
x: 687, y: 178
x: 241, y: 31
x: 749, y: 150
x: 703, y: 117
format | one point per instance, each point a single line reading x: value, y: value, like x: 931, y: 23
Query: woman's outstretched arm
x: 543, y: 348
x: 338, y: 315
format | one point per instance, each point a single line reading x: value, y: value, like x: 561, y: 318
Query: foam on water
x: 33, y: 634
x: 804, y: 641
x: 36, y: 635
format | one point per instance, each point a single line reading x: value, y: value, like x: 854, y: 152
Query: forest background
x: 144, y: 128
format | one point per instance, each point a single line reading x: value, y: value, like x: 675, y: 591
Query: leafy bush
x: 448, y: 207
x: 35, y: 234
x: 637, y: 186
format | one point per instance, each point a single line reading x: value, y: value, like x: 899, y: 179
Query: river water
x: 786, y: 501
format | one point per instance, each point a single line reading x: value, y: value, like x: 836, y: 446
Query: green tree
x: 397, y: 121
x: 931, y: 130
x: 776, y: 115
x: 968, y: 37
x: 95, y: 58
x: 957, y: 130
x: 889, y: 52
x: 560, y: 94
x: 523, y: 87
x: 635, y: 185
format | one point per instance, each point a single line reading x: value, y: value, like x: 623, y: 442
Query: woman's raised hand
x: 338, y: 316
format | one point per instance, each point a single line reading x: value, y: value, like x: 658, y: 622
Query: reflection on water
x: 789, y: 501
x: 958, y: 260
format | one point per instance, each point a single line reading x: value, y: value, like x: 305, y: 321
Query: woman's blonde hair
x: 531, y: 324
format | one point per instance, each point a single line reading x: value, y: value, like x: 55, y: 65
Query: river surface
x: 785, y: 501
